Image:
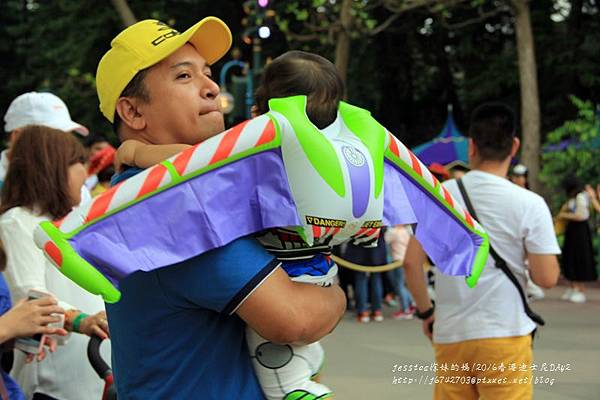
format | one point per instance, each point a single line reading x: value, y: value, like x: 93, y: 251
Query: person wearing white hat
x: 36, y: 108
x: 518, y: 176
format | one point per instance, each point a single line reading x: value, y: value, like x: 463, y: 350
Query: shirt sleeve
x: 538, y: 230
x: 25, y: 263
x: 582, y: 206
x: 221, y: 279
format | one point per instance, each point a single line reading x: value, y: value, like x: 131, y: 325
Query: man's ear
x: 128, y: 110
x: 472, y: 150
x: 515, y: 147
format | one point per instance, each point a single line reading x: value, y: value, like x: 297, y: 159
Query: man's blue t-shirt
x: 174, y: 334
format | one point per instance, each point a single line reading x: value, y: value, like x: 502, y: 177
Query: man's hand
x: 427, y: 325
x: 95, y: 325
x: 28, y: 318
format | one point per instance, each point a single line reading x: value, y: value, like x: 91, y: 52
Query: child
x: 293, y: 73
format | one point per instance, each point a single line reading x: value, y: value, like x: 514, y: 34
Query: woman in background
x: 44, y: 180
x: 578, y: 264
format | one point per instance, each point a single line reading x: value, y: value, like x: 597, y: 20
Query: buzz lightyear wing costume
x: 276, y: 170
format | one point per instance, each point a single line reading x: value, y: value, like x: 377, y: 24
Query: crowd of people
x: 202, y: 314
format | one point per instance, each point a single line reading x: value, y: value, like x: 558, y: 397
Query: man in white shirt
x: 35, y: 108
x: 486, y: 327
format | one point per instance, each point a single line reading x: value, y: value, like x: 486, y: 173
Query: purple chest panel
x: 360, y: 179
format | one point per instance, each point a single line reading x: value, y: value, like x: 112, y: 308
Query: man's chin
x: 212, y: 127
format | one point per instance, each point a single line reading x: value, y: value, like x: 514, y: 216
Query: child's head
x: 300, y: 73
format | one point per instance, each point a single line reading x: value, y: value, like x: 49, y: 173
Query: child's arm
x: 141, y: 155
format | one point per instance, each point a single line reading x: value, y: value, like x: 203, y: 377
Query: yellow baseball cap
x: 148, y: 42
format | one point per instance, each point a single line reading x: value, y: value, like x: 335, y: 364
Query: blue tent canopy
x: 450, y: 145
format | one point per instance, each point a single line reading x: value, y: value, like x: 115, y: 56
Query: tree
x: 124, y: 12
x: 530, y: 101
x: 573, y: 149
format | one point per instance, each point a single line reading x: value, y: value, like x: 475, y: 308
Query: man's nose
x: 210, y: 89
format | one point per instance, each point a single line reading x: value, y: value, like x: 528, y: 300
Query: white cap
x: 519, y: 169
x: 45, y: 109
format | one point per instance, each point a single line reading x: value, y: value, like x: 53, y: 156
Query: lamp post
x: 249, y: 85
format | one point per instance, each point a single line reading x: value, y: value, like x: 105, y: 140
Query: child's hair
x: 301, y: 73
x: 38, y: 172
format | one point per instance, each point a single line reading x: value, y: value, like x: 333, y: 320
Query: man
x: 487, y: 326
x: 35, y: 108
x: 178, y: 332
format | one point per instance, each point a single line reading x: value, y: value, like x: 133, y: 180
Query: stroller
x: 101, y: 368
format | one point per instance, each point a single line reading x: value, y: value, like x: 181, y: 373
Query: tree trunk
x: 530, y: 102
x: 342, y: 47
x: 127, y: 17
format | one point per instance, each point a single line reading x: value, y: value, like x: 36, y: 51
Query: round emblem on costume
x: 274, y: 356
x: 353, y: 156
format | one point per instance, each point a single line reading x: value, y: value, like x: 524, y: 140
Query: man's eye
x: 209, y: 76
x: 183, y: 75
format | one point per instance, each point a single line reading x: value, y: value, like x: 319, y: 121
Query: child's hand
x: 126, y: 154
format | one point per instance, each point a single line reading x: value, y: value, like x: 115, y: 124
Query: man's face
x: 183, y: 105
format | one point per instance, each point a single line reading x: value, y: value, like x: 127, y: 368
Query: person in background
x: 37, y: 108
x: 457, y: 169
x: 101, y: 168
x: 397, y: 239
x: 578, y: 261
x: 488, y: 324
x: 518, y: 176
x: 26, y: 318
x: 30, y: 196
x: 367, y: 285
x: 594, y: 196
x: 94, y: 144
x: 439, y: 171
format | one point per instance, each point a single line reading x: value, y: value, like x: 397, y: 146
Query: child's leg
x: 285, y: 371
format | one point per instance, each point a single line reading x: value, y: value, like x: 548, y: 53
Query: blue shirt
x: 14, y: 393
x: 174, y: 333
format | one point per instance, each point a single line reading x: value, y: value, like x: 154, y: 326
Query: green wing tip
x: 471, y: 281
x: 112, y: 296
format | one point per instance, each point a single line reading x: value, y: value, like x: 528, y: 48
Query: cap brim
x: 211, y: 38
x: 69, y: 126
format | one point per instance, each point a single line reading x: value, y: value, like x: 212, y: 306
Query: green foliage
x: 56, y: 45
x: 579, y: 158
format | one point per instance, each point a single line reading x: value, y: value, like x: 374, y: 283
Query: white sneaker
x: 577, y: 297
x: 534, y: 292
x: 567, y: 294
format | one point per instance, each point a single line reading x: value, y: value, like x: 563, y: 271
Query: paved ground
x: 360, y: 358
